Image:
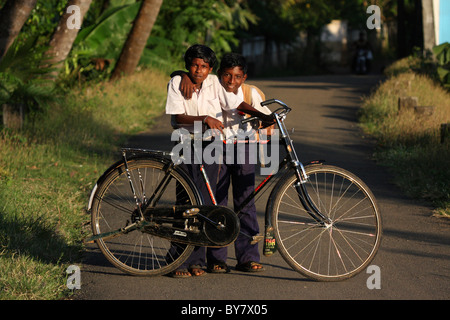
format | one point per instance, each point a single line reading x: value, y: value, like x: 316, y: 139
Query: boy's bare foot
x: 185, y: 273
x: 195, y: 271
x: 180, y: 273
x: 219, y: 267
x: 251, y: 266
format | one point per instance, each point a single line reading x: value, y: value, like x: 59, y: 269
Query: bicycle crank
x: 208, y: 226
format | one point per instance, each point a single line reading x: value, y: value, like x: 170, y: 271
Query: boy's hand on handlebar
x: 246, y: 108
x: 267, y: 124
x: 269, y: 118
x: 214, y: 124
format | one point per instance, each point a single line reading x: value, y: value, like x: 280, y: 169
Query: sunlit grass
x: 47, y: 171
x: 410, y: 143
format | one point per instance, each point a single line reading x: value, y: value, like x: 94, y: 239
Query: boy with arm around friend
x: 208, y: 103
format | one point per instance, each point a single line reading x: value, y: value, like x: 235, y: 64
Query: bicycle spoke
x: 339, y: 248
x: 114, y: 207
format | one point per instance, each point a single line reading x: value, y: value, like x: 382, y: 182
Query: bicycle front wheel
x: 114, y: 207
x: 331, y: 251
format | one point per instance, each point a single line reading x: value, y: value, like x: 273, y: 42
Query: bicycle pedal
x: 256, y: 239
x: 191, y: 212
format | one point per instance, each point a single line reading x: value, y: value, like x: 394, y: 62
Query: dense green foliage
x: 180, y: 23
x: 442, y: 53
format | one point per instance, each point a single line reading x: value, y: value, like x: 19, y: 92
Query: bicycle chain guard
x: 206, y: 226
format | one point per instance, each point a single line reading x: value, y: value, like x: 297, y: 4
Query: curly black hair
x: 202, y: 52
x: 231, y: 60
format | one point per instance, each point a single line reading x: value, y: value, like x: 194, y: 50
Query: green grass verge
x: 408, y: 143
x: 47, y: 171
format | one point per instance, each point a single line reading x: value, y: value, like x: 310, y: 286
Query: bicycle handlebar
x: 284, y: 107
x: 281, y: 103
x: 267, y: 102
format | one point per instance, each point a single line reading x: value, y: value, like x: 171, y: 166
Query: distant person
x: 362, y: 55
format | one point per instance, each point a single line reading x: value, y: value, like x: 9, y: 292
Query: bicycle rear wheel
x: 334, y: 251
x: 114, y: 207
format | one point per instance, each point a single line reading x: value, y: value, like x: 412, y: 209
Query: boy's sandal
x: 197, y: 271
x: 193, y: 271
x: 218, y: 267
x: 250, y: 266
x: 181, y: 273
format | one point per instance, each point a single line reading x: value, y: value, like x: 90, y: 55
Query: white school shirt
x: 232, y: 118
x: 211, y: 100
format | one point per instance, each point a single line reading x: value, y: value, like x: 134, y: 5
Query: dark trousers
x: 198, y: 256
x: 242, y: 179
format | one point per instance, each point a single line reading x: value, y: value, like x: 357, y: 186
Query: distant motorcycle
x: 362, y: 61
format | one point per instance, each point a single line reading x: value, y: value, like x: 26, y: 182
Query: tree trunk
x: 401, y: 29
x: 429, y: 37
x: 64, y: 36
x: 105, y: 5
x: 137, y: 39
x: 13, y: 115
x: 12, y: 18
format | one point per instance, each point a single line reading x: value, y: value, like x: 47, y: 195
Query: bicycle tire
x: 332, y: 252
x: 139, y: 253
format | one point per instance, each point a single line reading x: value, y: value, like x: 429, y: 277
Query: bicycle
x: 324, y: 220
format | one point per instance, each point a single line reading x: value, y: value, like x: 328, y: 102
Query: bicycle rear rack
x: 146, y: 151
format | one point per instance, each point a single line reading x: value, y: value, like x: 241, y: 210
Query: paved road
x: 415, y: 251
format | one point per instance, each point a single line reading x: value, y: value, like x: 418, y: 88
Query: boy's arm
x: 246, y: 108
x: 257, y: 99
x: 186, y: 85
x: 174, y: 101
x: 177, y: 73
x: 229, y: 101
x: 211, y: 122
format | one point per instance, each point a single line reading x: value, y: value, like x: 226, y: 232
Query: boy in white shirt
x: 240, y: 174
x: 207, y: 104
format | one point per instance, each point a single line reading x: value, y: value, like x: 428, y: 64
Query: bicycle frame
x: 290, y: 162
x: 284, y: 166
x: 166, y: 206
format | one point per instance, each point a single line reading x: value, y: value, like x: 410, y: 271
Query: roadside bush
x: 409, y: 143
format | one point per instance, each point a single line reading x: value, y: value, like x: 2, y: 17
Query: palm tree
x: 22, y: 88
x: 63, y: 38
x: 12, y: 17
x: 429, y: 38
x: 137, y: 39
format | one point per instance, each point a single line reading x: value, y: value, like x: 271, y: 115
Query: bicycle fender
x: 289, y: 172
x: 91, y: 198
x: 161, y: 159
x: 314, y: 162
x: 99, y: 180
